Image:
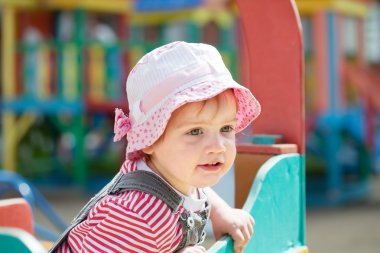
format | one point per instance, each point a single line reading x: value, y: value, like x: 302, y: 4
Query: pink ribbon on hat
x: 122, y: 125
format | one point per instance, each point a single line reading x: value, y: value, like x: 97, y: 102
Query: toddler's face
x: 198, y: 146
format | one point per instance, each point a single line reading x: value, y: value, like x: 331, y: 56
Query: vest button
x: 203, y: 237
x: 190, y: 222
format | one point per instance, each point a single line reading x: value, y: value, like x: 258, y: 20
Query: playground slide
x: 276, y: 202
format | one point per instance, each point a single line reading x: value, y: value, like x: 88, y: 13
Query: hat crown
x: 167, y: 78
x: 167, y: 61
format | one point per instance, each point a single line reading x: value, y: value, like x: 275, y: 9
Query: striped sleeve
x: 131, y: 222
x: 64, y: 248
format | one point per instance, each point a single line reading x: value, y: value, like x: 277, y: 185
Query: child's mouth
x: 211, y: 166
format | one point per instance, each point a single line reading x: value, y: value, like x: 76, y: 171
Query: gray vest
x: 193, y: 224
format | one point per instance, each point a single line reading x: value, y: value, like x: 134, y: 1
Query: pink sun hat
x: 169, y: 77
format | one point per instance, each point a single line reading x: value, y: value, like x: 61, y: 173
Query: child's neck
x: 192, y: 192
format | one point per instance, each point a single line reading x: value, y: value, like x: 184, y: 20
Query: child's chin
x: 208, y: 182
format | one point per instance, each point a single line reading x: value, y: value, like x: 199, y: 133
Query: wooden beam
x: 346, y: 7
x: 111, y: 6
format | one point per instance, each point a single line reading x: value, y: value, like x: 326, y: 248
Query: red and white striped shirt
x: 131, y: 221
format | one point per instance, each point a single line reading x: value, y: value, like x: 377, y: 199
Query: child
x: 185, y: 110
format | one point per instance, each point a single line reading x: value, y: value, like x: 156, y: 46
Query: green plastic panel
x: 18, y: 240
x: 277, y: 202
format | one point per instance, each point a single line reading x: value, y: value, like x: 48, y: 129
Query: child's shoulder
x: 141, y: 207
x: 138, y: 201
x: 134, y: 213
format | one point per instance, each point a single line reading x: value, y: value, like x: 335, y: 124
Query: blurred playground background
x: 63, y: 70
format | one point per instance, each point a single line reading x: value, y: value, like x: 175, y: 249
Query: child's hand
x: 237, y: 223
x: 192, y: 249
x: 226, y: 220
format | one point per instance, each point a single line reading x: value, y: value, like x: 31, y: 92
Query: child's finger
x: 250, y: 229
x: 247, y: 232
x: 240, y: 240
x: 238, y: 249
x: 250, y: 225
x: 242, y: 236
x: 237, y: 235
x: 251, y: 220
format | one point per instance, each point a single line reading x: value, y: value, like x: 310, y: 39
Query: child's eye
x: 226, y: 129
x: 196, y: 131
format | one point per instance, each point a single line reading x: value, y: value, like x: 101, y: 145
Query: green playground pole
x: 80, y: 161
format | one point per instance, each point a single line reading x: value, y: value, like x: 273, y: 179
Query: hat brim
x: 146, y: 133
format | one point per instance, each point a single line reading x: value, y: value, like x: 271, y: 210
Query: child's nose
x: 216, y: 145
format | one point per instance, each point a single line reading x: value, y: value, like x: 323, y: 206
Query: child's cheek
x: 192, y: 140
